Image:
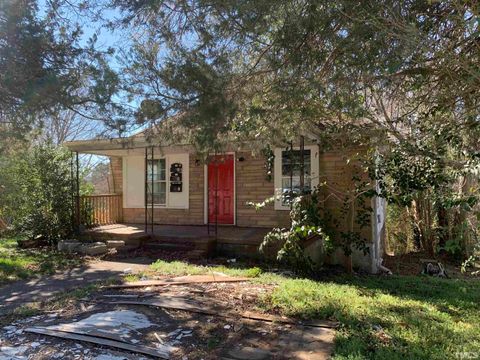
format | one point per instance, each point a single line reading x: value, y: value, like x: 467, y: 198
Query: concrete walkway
x: 41, y: 289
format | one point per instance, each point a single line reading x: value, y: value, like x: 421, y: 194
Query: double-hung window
x: 288, y: 169
x: 157, y: 182
x: 291, y: 174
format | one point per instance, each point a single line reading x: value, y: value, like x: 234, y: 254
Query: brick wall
x: 337, y: 173
x: 116, y: 173
x: 252, y: 186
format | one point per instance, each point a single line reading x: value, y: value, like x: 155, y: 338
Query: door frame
x: 205, y: 190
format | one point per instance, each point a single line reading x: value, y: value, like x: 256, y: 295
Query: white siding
x: 134, y: 181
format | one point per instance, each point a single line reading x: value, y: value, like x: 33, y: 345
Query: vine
x: 267, y: 152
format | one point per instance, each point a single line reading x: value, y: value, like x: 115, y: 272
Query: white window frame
x: 277, y: 170
x: 166, y: 181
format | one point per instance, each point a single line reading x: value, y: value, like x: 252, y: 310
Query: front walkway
x: 43, y: 288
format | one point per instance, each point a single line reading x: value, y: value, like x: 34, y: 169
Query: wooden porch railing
x: 100, y: 209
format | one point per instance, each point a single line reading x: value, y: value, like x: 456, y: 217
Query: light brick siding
x: 116, y: 172
x: 335, y: 171
x: 252, y: 186
x: 337, y: 174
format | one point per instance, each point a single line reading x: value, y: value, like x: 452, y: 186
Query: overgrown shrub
x: 306, y: 222
x: 37, y: 194
x: 434, y: 185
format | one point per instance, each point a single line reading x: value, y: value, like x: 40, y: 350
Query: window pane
x: 159, y: 193
x: 290, y: 192
x: 157, y: 170
x: 291, y: 162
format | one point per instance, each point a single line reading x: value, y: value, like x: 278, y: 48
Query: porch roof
x: 133, y: 145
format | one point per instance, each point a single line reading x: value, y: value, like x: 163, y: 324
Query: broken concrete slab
x: 74, y: 246
x: 92, y: 249
x: 117, y: 324
x: 118, y: 329
x: 69, y: 246
x: 114, y: 244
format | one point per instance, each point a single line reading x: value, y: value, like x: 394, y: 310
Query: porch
x: 198, y: 239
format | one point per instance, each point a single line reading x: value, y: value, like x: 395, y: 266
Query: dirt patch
x: 190, y: 335
x: 410, y: 264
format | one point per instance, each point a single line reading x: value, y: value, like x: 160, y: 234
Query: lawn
x: 18, y: 264
x: 396, y: 317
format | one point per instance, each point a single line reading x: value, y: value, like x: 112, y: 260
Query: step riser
x: 201, y: 245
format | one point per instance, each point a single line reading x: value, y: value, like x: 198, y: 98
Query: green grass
x: 397, y: 317
x: 18, y: 264
x: 179, y: 268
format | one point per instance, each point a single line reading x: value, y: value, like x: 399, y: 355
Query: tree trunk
x: 422, y: 212
x: 348, y: 264
x: 417, y: 231
x: 443, y: 233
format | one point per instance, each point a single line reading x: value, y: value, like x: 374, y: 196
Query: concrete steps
x: 135, y: 239
x: 168, y: 246
x: 195, y: 247
x: 120, y: 237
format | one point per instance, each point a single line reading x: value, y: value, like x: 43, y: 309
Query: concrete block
x: 93, y: 249
x: 69, y: 246
x: 115, y: 244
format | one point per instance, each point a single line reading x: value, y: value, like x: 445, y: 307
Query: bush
x: 37, y: 193
x: 306, y: 222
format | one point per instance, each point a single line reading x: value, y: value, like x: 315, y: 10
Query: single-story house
x: 173, y: 185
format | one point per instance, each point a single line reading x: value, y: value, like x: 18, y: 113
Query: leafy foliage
x: 46, y: 68
x: 401, y: 77
x: 437, y: 181
x: 37, y: 195
x: 16, y: 263
x: 275, y: 70
x: 307, y: 222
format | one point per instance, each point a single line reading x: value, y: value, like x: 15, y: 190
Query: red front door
x: 221, y: 189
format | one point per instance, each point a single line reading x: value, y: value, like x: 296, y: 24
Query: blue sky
x: 106, y: 38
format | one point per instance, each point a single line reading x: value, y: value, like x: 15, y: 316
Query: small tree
x: 37, y: 192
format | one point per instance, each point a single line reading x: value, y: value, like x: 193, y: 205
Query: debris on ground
x: 128, y: 323
x: 433, y: 267
x: 181, y: 280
